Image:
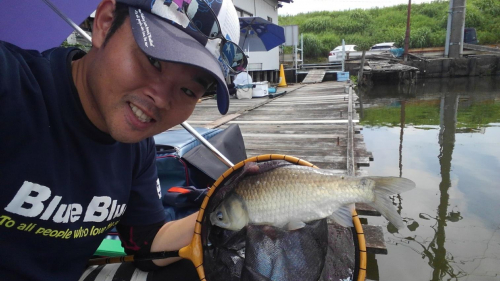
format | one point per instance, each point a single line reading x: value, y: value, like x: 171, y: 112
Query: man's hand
x: 173, y: 236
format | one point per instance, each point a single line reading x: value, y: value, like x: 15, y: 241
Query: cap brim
x: 164, y: 41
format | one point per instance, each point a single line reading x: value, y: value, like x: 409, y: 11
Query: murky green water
x: 444, y: 134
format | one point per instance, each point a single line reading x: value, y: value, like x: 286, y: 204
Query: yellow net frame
x: 194, y: 251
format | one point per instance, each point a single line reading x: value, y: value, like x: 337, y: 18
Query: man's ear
x: 102, y: 22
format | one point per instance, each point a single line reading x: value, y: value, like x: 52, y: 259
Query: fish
x: 290, y: 196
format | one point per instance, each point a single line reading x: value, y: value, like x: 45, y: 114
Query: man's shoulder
x: 13, y: 49
x: 12, y: 53
x: 14, y: 57
x: 16, y: 61
x: 19, y: 73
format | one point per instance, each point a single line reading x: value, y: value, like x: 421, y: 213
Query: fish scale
x: 304, y: 196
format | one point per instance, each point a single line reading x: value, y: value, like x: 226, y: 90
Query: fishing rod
x: 184, y: 124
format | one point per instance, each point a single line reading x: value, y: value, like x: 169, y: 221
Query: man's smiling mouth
x: 139, y: 114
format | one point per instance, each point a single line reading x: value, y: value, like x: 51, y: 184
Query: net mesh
x: 319, y: 251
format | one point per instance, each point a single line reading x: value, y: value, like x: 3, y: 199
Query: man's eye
x: 189, y: 92
x: 154, y: 62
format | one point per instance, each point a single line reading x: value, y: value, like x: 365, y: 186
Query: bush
x: 437, y: 39
x: 313, y: 46
x: 360, y: 16
x: 356, y: 21
x: 391, y: 19
x: 434, y: 10
x: 420, y: 21
x: 390, y: 35
x: 473, y: 17
x: 330, y: 41
x: 490, y: 7
x: 400, y: 40
x: 443, y: 22
x: 488, y: 37
x: 318, y: 25
x: 420, y: 38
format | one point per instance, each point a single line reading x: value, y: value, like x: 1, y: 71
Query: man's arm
x: 173, y: 236
x: 156, y: 237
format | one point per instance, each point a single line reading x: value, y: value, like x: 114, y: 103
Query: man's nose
x: 161, y: 95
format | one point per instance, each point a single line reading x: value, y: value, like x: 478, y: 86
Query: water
x: 444, y: 134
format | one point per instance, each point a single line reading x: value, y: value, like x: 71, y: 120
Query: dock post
x: 350, y: 138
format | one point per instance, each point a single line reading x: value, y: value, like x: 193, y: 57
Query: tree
x: 364, y: 45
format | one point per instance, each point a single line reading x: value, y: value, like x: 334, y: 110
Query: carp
x: 290, y: 196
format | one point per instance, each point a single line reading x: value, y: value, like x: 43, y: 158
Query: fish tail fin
x: 384, y: 188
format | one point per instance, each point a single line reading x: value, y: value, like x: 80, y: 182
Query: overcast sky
x: 304, y: 6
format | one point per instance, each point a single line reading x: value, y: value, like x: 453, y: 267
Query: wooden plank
x: 222, y: 120
x: 482, y: 48
x: 314, y: 76
x: 299, y: 145
x: 374, y: 237
x: 366, y: 210
x: 294, y: 136
x: 304, y: 121
x: 295, y: 128
x: 362, y: 161
x: 364, y: 153
x: 361, y: 173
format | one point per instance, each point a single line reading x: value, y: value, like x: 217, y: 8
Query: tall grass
x: 325, y: 30
x: 318, y: 24
x: 313, y: 46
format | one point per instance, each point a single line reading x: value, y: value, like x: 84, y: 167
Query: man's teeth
x: 140, y: 115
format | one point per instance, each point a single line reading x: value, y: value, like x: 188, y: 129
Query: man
x: 77, y: 153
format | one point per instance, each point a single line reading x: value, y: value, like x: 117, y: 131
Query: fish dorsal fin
x: 343, y: 216
x: 294, y: 225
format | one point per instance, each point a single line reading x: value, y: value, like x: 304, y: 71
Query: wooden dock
x: 309, y: 122
x: 314, y: 76
x: 314, y: 122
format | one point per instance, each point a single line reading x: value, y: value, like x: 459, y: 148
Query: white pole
x: 302, y: 48
x: 461, y: 50
x: 208, y: 145
x: 343, y: 54
x: 448, y: 30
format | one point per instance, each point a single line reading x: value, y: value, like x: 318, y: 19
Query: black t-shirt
x: 63, y: 182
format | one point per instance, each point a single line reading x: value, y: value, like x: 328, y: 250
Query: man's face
x: 132, y: 96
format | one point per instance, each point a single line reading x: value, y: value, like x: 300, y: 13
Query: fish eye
x: 219, y: 215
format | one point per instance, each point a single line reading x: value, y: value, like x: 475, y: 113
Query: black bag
x: 186, y: 168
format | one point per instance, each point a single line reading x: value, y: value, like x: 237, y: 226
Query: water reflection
x: 451, y: 107
x: 440, y: 263
x: 433, y: 87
